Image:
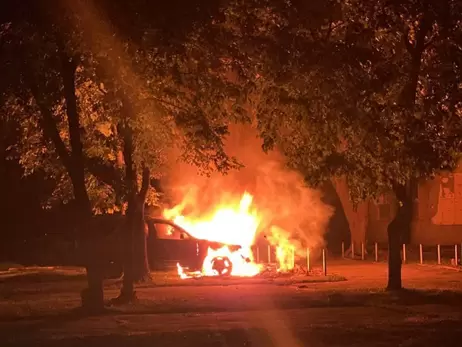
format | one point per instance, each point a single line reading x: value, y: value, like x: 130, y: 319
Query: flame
x: 228, y: 224
x: 232, y: 224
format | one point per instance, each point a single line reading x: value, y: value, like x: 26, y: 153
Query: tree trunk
x: 394, y: 255
x: 140, y: 233
x: 93, y: 296
x: 73, y: 162
x: 399, y: 226
x: 357, y: 217
x: 127, y: 293
x: 136, y: 265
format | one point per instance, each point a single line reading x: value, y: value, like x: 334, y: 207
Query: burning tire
x: 222, y: 265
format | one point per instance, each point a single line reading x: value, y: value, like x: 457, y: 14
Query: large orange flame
x: 234, y: 224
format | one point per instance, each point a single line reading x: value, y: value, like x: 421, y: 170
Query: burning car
x: 170, y: 244
x: 215, y: 243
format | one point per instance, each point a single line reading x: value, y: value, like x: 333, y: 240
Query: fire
x: 231, y: 225
x: 228, y: 224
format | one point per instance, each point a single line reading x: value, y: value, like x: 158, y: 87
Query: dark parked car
x: 169, y: 244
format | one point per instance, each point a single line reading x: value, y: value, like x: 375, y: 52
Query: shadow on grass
x: 40, y: 277
x: 240, y: 303
x: 233, y: 281
x: 161, y: 279
x: 440, y: 334
x: 405, y: 297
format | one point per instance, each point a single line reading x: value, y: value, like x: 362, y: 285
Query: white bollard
x: 308, y: 264
x: 421, y: 253
x: 324, y: 262
x: 293, y: 257
x: 404, y: 253
x: 439, y: 254
x: 456, y: 256
x: 376, y: 252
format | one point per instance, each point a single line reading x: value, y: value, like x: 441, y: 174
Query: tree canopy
x: 367, y: 90
x: 123, y: 73
x: 105, y: 95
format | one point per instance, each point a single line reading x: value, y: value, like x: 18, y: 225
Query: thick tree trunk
x: 73, y: 162
x: 136, y: 266
x: 93, y: 296
x: 141, y: 263
x: 127, y: 293
x: 397, y: 229
x: 394, y: 255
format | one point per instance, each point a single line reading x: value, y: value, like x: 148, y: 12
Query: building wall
x: 381, y: 213
x: 438, y: 212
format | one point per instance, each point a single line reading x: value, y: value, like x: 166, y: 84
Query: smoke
x: 291, y: 212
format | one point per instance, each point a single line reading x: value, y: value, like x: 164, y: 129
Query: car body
x: 169, y: 244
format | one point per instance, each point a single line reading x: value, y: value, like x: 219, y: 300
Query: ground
x: 40, y: 310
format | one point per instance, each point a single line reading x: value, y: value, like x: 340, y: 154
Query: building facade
x: 437, y: 217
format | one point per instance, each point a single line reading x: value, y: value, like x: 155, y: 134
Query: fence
x: 268, y: 255
x: 420, y: 254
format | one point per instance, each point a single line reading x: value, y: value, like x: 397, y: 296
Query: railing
x: 422, y: 254
x: 444, y: 255
x: 268, y: 255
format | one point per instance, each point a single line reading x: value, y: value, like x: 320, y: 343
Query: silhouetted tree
x: 362, y: 93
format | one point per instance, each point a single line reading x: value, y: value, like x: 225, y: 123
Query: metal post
x: 308, y: 265
x: 439, y: 255
x: 421, y: 253
x: 362, y: 251
x: 293, y: 257
x: 269, y: 254
x: 352, y: 250
x: 258, y: 254
x: 324, y: 262
x: 404, y: 252
x: 343, y: 249
x: 456, y: 256
x: 376, y: 252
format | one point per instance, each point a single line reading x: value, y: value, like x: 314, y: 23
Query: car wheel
x: 222, y: 265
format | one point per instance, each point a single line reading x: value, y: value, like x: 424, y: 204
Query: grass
x: 34, y: 275
x: 240, y: 312
x: 5, y: 266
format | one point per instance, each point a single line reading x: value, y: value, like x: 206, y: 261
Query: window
x: 169, y: 232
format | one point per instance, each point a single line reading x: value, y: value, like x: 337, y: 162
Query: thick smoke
x: 291, y: 212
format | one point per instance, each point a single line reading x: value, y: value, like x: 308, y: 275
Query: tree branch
x: 424, y: 27
x: 410, y: 47
x: 50, y: 130
x: 103, y: 172
x: 329, y: 30
x: 429, y: 42
x: 145, y: 183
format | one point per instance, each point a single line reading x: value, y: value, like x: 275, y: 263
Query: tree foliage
x: 102, y: 104
x: 333, y: 85
x: 123, y: 74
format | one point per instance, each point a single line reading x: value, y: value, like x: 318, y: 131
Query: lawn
x: 244, y: 312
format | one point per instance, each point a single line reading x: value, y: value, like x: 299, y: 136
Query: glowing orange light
x: 232, y: 223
